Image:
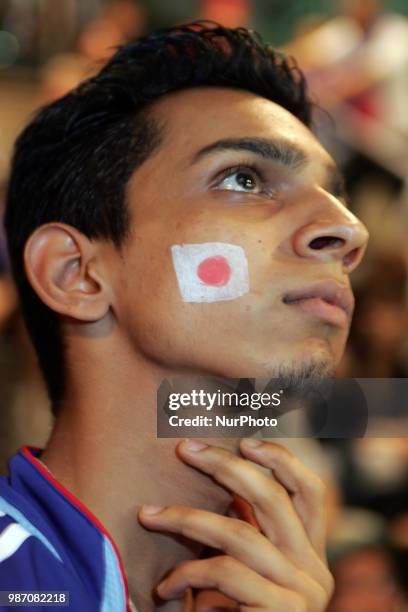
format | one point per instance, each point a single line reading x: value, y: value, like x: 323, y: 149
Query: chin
x: 314, y: 359
x: 323, y: 354
x: 308, y: 368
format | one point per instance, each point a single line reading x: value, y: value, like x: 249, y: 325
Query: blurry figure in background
x: 231, y: 13
x: 61, y: 74
x: 356, y: 57
x: 377, y: 345
x: 367, y: 580
x: 373, y: 476
x: 36, y: 25
x: 43, y: 29
x: 398, y: 531
x: 119, y: 22
x: 357, y: 68
x: 374, y: 79
x: 319, y: 43
x: 398, y: 536
x: 8, y: 298
x: 376, y: 469
x: 376, y: 475
x: 24, y: 406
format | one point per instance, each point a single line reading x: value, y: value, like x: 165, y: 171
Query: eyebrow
x: 285, y: 153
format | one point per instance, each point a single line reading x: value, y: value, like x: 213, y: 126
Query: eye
x: 243, y: 179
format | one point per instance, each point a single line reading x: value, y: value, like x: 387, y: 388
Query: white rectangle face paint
x: 210, y: 271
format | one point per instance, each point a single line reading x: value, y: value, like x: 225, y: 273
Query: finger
x: 236, y: 538
x: 306, y: 489
x: 236, y: 581
x: 208, y: 601
x: 270, y: 500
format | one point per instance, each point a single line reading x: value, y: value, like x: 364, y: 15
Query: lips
x: 328, y: 300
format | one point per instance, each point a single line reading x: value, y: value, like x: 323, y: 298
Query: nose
x: 340, y: 237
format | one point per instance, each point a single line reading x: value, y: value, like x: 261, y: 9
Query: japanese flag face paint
x: 210, y: 271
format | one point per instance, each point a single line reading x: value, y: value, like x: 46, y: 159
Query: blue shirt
x: 50, y: 541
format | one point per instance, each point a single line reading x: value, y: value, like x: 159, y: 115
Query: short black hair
x: 73, y: 161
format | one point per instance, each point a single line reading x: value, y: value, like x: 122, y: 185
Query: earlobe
x: 61, y: 265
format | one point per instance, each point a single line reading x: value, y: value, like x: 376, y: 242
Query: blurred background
x: 355, y: 56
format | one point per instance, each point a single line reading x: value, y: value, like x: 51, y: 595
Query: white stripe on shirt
x: 11, y: 539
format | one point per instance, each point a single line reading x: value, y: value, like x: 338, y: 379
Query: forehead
x: 199, y: 116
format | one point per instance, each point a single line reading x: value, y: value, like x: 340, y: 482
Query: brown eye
x: 246, y: 181
x: 241, y: 180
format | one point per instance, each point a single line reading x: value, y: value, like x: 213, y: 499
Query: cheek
x: 210, y: 271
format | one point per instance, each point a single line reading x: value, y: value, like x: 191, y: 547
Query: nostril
x: 324, y: 242
x: 350, y: 258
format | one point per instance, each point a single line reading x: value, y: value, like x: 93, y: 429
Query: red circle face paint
x: 210, y: 271
x: 214, y: 271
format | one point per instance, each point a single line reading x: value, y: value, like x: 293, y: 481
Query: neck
x: 104, y: 450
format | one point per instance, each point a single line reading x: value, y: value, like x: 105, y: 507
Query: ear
x: 66, y: 271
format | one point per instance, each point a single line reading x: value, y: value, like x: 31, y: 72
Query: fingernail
x: 251, y: 442
x: 194, y: 445
x: 152, y: 509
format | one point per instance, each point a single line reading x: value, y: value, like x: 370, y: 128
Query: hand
x: 282, y: 565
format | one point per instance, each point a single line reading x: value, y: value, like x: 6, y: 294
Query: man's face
x: 253, y: 230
